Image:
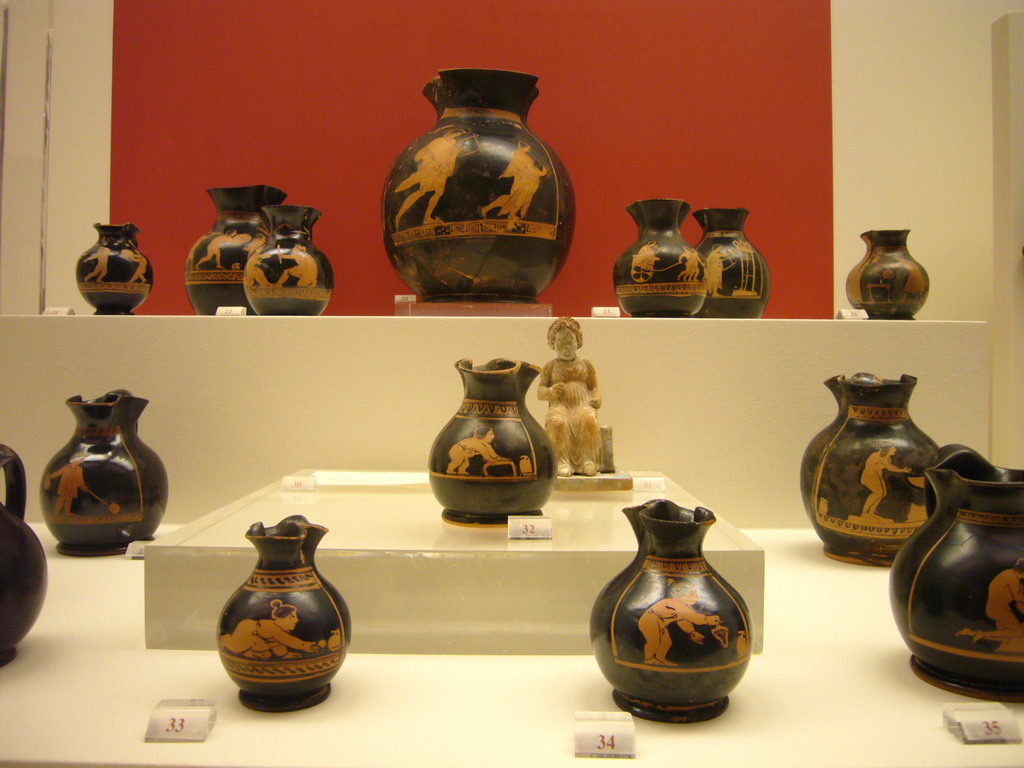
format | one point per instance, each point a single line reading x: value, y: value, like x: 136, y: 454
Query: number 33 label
x: 181, y: 720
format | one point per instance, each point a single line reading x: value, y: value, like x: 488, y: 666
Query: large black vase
x: 284, y: 633
x: 105, y: 488
x: 479, y: 208
x: 862, y: 476
x: 113, y: 275
x: 216, y: 263
x: 957, y: 586
x: 22, y: 561
x: 669, y: 633
x: 492, y: 459
x: 660, y: 274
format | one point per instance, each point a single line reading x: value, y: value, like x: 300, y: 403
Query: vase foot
x: 666, y: 713
x: 881, y: 561
x: 288, y: 704
x: 471, y: 520
x: 7, y: 655
x: 954, y: 684
x: 115, y: 549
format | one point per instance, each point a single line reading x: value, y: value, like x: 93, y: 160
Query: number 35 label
x: 990, y: 723
x: 605, y: 734
x: 181, y: 720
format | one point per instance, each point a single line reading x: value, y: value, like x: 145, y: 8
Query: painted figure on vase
x: 569, y: 384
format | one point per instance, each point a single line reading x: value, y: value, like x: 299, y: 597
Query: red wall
x: 723, y: 103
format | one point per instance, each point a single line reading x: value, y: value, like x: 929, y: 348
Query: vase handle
x: 14, y: 482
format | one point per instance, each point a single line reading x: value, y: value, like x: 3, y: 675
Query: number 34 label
x: 605, y: 734
x: 182, y: 720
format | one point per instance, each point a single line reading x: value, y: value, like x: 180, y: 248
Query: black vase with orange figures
x: 289, y: 275
x: 660, y: 274
x: 492, y: 459
x: 862, y: 477
x: 216, y: 264
x: 479, y: 208
x: 284, y: 633
x: 669, y: 633
x: 957, y: 586
x: 22, y: 561
x: 887, y: 283
x: 113, y: 275
x: 105, y: 488
x: 738, y: 283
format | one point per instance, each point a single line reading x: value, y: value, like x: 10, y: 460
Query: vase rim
x: 487, y: 70
x: 499, y: 366
x: 109, y: 399
x: 845, y: 380
x: 1010, y: 485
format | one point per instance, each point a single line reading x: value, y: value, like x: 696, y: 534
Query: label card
x: 182, y: 720
x: 136, y: 550
x: 986, y: 723
x: 605, y: 312
x: 298, y: 483
x: 59, y: 311
x: 605, y: 734
x: 405, y: 298
x: 851, y: 314
x: 648, y: 483
x: 231, y: 311
x: 529, y: 527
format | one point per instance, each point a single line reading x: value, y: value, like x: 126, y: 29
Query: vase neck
x: 290, y: 220
x: 117, y: 234
x: 498, y: 381
x: 659, y: 216
x: 278, y: 547
x: 721, y: 219
x: 885, y: 238
x: 483, y: 89
x: 245, y: 199
x: 114, y: 409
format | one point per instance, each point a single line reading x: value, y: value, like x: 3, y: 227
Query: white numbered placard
x: 182, y: 720
x: 529, y: 527
x: 851, y: 314
x: 59, y: 311
x: 981, y: 723
x: 649, y: 484
x: 605, y: 734
x: 605, y: 312
x: 231, y: 311
x: 405, y: 298
x: 298, y: 483
x: 136, y: 550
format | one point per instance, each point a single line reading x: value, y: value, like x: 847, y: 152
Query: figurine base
x: 290, y: 704
x: 7, y: 655
x: 117, y: 549
x: 602, y: 481
x: 470, y: 520
x: 954, y: 684
x: 666, y: 713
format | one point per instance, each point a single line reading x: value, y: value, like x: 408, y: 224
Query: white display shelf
x: 832, y: 688
x: 415, y: 584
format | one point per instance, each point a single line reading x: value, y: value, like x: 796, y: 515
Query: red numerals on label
x: 992, y: 728
x: 604, y: 742
x: 175, y: 725
x: 529, y: 529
